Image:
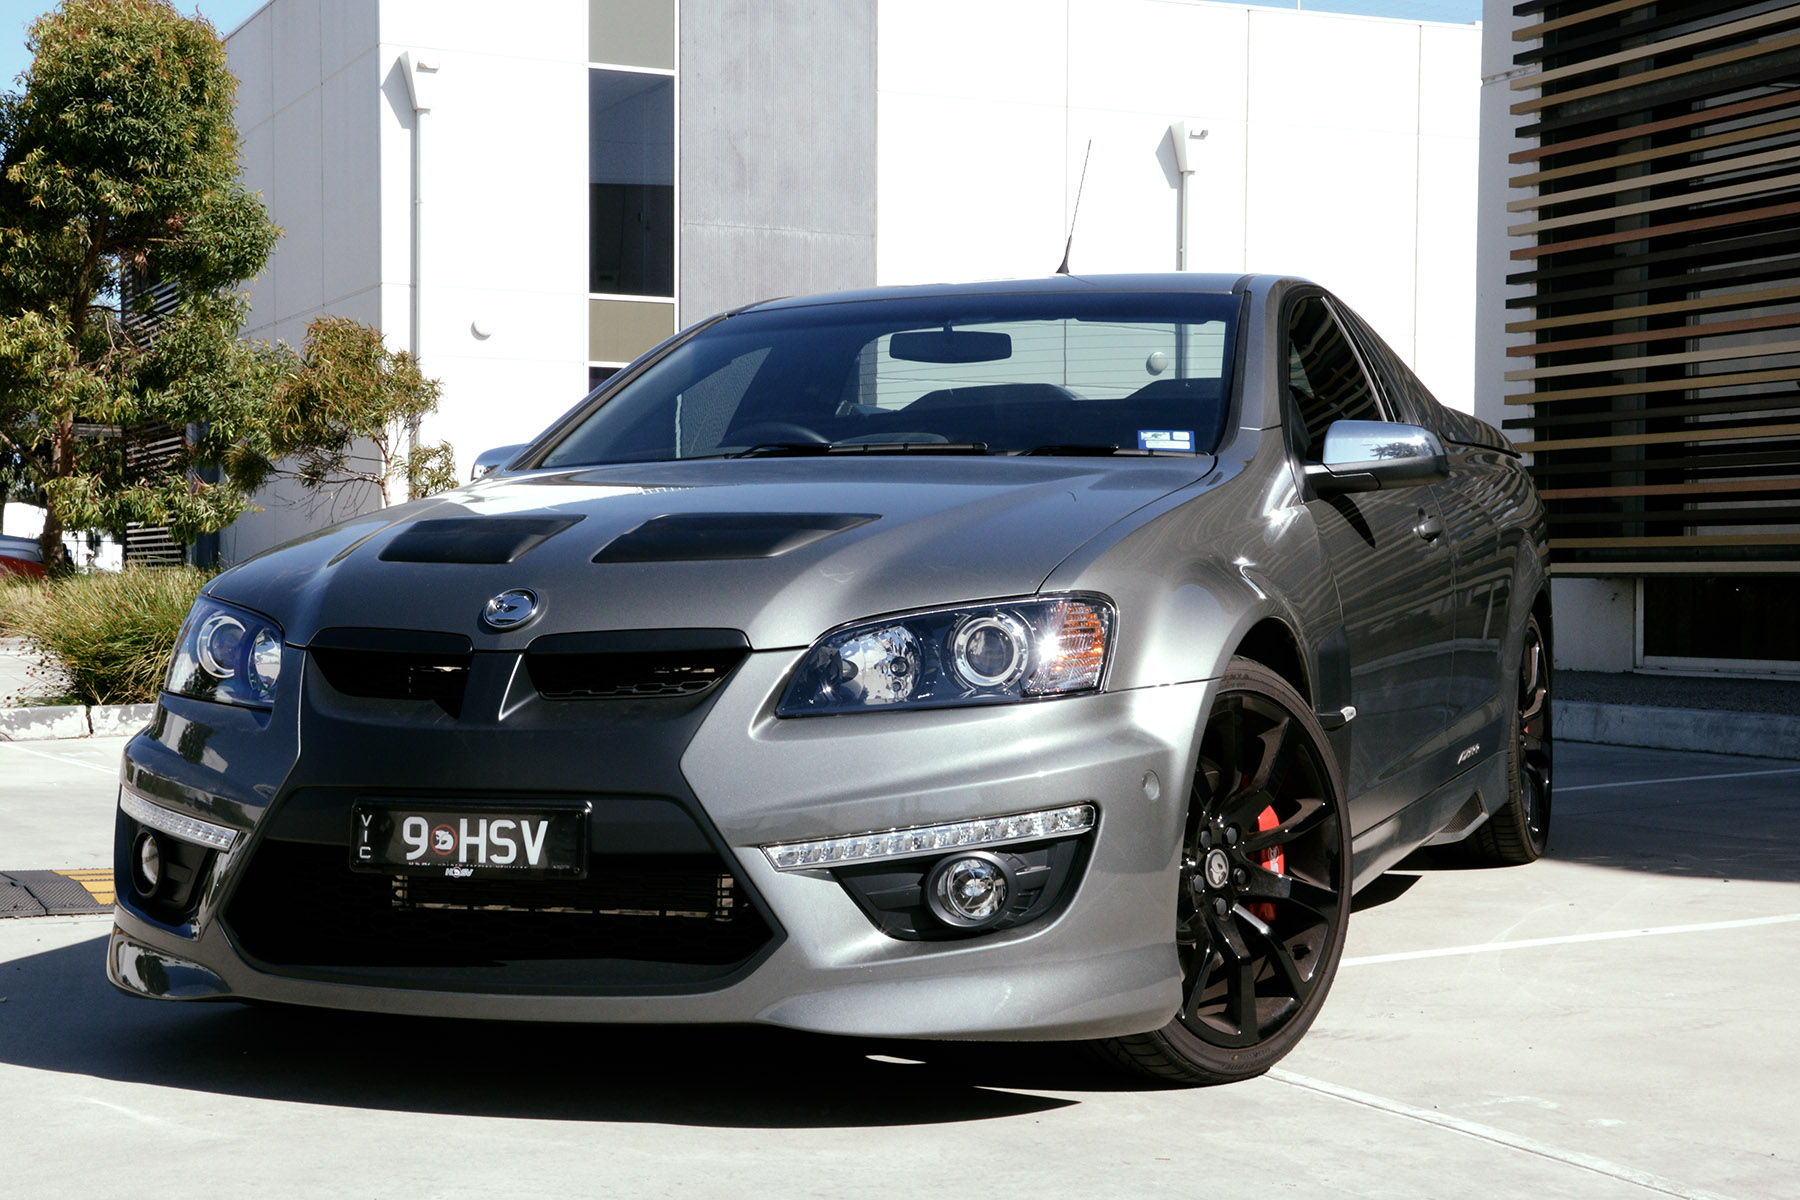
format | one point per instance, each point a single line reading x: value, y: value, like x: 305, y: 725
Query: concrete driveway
x: 1614, y: 1021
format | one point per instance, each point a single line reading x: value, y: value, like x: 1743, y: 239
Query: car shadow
x: 62, y: 1015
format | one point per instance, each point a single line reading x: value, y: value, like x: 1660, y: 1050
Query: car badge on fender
x: 510, y: 609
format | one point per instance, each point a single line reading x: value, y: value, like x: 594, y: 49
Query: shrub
x: 110, y: 633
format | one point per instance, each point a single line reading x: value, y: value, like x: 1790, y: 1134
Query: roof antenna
x: 1070, y: 244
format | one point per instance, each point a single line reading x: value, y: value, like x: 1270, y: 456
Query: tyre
x: 1518, y: 833
x: 1264, y: 896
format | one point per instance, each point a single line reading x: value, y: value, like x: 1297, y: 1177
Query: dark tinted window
x: 1325, y: 380
x: 1085, y: 373
x: 631, y: 183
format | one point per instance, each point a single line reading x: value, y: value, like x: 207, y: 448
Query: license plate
x: 469, y: 843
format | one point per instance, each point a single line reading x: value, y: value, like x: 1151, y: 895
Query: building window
x: 631, y: 183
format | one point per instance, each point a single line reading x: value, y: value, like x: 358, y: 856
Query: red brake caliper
x: 1273, y: 858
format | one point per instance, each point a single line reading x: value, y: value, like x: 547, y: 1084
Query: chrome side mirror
x: 1369, y: 456
x: 489, y: 461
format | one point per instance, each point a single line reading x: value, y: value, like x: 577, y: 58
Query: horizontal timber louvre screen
x: 1660, y: 358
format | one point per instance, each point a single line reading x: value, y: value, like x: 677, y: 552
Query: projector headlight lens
x: 226, y: 654
x: 1001, y: 652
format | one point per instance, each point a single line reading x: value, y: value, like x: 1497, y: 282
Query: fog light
x: 969, y: 891
x: 146, y: 863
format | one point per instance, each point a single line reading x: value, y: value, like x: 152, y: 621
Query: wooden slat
x: 1699, y: 433
x: 1766, y: 403
x: 1692, y: 304
x: 1530, y: 32
x: 1627, y: 183
x: 1645, y: 336
x: 1731, y: 137
x: 1698, y: 539
x: 1629, y: 133
x: 1718, y: 487
x: 1780, y: 16
x: 1612, y: 366
x: 1720, y: 221
x: 1639, y: 208
x: 1624, y: 277
x: 1688, y: 383
x: 1753, y: 566
x: 1723, y: 58
x: 1775, y: 512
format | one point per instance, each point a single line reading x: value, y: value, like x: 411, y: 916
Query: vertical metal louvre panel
x: 150, y: 449
x: 1659, y: 360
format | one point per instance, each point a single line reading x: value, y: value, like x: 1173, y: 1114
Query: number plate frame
x: 469, y: 841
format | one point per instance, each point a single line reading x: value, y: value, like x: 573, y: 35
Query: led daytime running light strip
x: 188, y: 829
x: 931, y: 839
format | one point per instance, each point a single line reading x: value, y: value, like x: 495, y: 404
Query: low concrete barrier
x: 72, y: 721
x: 1710, y: 731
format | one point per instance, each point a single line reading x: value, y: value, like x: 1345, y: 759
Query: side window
x: 1405, y: 394
x: 1325, y: 380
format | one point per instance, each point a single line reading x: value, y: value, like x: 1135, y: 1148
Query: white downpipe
x: 419, y: 84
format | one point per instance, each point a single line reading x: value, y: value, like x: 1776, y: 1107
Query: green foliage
x: 341, y: 414
x: 110, y: 633
x: 118, y: 166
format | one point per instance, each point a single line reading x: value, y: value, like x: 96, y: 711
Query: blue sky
x: 17, y: 15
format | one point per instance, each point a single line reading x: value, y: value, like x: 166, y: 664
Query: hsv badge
x: 510, y: 609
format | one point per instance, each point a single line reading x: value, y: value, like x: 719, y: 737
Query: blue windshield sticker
x: 1166, y: 439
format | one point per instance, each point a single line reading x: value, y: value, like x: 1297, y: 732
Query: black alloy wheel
x: 1520, y: 831
x: 1264, y: 897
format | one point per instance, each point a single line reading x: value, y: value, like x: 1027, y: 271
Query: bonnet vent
x: 701, y: 537
x: 473, y: 539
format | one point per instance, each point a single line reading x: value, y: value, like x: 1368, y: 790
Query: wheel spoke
x: 1282, y: 959
x: 1229, y: 721
x: 1310, y: 813
x: 1205, y: 963
x: 1273, y: 769
x: 1265, y: 884
x: 1225, y: 930
x: 1321, y: 901
x: 1243, y: 999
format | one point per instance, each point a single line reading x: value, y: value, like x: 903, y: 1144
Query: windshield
x: 1105, y: 373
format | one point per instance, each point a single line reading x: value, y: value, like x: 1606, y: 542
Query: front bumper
x: 1101, y: 964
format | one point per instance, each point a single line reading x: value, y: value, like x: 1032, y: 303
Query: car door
x: 1480, y: 486
x: 1394, y: 572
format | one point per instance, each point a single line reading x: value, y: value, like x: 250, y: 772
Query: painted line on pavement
x: 1598, y: 787
x: 1498, y: 1137
x: 113, y: 770
x: 1569, y: 940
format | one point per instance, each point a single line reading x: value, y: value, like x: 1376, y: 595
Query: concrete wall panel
x: 776, y: 145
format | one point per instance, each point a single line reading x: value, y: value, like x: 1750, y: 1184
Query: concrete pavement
x: 1613, y: 1021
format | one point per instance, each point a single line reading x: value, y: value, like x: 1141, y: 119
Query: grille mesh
x: 300, y: 906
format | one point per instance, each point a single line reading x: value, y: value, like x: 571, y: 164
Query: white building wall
x: 1341, y: 148
x: 327, y: 136
x: 309, y: 138
x: 505, y: 183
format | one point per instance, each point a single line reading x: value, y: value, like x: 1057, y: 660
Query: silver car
x: 1039, y: 660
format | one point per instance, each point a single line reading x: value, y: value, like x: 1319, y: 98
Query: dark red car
x: 21, y: 556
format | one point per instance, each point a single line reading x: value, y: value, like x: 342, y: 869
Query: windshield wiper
x: 776, y: 449
x: 1096, y: 450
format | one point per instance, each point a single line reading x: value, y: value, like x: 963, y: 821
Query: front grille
x: 300, y: 908
x: 382, y: 664
x: 605, y: 676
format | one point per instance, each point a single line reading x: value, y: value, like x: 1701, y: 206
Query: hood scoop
x: 708, y: 537
x: 473, y: 539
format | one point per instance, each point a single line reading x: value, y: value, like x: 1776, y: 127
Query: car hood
x: 781, y: 549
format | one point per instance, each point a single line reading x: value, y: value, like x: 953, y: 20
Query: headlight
x: 226, y: 654
x: 981, y: 654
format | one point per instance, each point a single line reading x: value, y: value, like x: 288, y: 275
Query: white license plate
x: 469, y: 843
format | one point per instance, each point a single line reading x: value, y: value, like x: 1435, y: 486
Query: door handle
x: 1429, y: 528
